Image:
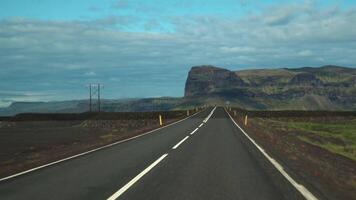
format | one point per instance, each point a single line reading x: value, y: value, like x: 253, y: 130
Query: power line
x: 95, y: 95
x: 99, y: 97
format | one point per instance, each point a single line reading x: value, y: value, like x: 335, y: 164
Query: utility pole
x: 94, y: 93
x: 99, y: 97
x: 90, y: 98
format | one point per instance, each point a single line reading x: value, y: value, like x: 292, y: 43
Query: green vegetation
x: 337, y: 137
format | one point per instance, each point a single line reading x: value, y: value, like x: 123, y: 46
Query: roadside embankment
x: 318, y: 148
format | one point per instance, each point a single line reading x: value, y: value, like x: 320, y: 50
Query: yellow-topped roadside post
x: 160, y: 120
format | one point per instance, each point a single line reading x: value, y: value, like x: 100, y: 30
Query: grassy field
x: 335, y: 136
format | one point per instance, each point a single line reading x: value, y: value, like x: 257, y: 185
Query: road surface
x: 201, y: 157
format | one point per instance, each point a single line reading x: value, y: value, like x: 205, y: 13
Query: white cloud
x: 305, y: 53
x: 61, y: 52
x: 238, y: 49
x: 91, y: 73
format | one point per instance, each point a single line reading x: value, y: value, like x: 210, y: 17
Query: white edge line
x: 303, y: 190
x: 194, y: 131
x: 179, y: 143
x: 91, y: 151
x: 201, y: 125
x: 134, y: 180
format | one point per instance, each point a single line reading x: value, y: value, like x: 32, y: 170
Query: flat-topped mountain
x: 307, y: 88
x: 208, y: 79
x: 323, y: 88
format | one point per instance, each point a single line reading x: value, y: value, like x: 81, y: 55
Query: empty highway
x: 201, y: 157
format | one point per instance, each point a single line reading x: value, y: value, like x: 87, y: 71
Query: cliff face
x: 204, y: 80
x: 323, y: 88
x: 306, y: 79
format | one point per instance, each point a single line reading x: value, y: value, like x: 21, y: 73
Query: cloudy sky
x: 51, y: 50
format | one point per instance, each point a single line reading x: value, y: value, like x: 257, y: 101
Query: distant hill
x: 73, y: 106
x: 323, y: 88
x: 78, y: 106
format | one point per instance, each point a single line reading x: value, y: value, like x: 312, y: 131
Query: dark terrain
x: 29, y: 140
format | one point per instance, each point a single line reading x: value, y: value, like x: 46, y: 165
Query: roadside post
x: 245, y: 120
x: 234, y: 113
x: 187, y: 112
x: 160, y: 120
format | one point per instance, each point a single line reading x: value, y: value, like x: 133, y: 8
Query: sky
x: 51, y: 50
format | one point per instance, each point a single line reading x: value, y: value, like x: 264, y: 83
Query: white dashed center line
x: 134, y: 180
x: 145, y: 171
x: 193, y: 131
x: 211, y: 113
x: 179, y: 143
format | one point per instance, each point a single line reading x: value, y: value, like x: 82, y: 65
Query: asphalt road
x: 182, y: 161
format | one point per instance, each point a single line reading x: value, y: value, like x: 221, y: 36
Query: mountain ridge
x: 327, y: 87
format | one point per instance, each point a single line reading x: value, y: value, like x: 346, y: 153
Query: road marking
x: 179, y: 143
x: 303, y: 190
x: 211, y: 113
x: 194, y: 131
x: 201, y: 125
x: 93, y: 150
x: 134, y: 180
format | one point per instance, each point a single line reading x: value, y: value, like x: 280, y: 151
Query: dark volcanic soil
x: 31, y: 140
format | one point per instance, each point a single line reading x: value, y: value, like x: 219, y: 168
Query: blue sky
x: 50, y: 50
